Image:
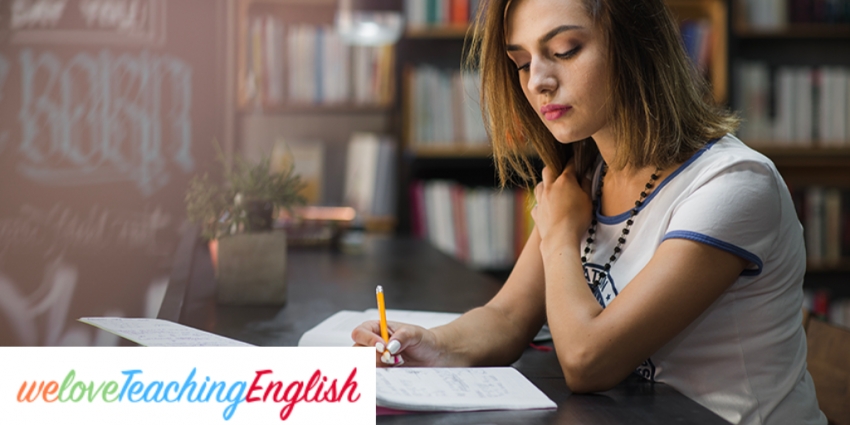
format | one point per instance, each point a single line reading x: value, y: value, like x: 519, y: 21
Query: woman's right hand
x: 409, y: 345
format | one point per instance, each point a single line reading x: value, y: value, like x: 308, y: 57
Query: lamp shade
x: 369, y: 22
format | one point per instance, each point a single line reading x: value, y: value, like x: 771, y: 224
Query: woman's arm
x: 498, y: 332
x: 599, y: 347
x: 494, y: 334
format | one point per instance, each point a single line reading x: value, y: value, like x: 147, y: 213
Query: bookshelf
x: 296, y: 81
x: 794, y: 52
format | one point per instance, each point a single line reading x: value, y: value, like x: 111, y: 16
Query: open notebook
x: 335, y: 331
x: 402, y: 390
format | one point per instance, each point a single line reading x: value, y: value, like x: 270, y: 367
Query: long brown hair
x: 662, y: 107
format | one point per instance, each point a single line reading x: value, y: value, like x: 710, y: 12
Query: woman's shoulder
x: 729, y: 153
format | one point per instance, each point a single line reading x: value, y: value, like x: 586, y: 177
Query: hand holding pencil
x: 387, y: 354
x: 390, y: 339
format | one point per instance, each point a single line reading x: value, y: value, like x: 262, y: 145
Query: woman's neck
x: 607, y: 146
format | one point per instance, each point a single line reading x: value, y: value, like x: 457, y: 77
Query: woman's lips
x: 553, y: 112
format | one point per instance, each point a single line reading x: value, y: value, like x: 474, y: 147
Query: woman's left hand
x: 564, y: 208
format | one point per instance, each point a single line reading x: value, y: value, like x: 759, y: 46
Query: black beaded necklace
x: 622, y: 238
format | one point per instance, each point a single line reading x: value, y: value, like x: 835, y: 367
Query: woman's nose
x: 541, y: 77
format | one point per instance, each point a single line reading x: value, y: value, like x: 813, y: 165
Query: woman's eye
x: 521, y: 68
x: 569, y: 54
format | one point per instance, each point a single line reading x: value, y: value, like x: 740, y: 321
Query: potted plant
x: 236, y: 217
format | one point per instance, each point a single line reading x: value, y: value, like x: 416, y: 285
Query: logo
x: 253, y: 385
x: 607, y: 290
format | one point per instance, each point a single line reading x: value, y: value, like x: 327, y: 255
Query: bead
x: 629, y: 222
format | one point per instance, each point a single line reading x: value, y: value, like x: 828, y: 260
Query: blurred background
x: 109, y: 107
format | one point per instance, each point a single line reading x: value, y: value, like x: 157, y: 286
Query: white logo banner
x: 209, y: 385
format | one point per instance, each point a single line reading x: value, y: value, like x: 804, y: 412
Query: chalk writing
x: 37, y: 13
x: 123, y: 15
x: 103, y: 119
x: 64, y: 228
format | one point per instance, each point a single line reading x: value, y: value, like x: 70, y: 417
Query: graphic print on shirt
x: 605, y: 293
x: 646, y: 370
x: 607, y: 290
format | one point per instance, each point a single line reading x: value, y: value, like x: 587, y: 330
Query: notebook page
x: 458, y: 389
x: 335, y: 331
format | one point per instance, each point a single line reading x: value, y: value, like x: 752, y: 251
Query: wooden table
x: 415, y: 276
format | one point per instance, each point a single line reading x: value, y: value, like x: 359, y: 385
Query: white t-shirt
x: 745, y: 357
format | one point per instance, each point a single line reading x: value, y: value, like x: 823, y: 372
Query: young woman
x: 664, y: 247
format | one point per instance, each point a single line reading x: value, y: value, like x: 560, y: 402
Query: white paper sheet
x: 458, y: 389
x: 335, y: 331
x: 160, y: 333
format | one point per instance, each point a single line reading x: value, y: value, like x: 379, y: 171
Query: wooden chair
x: 829, y: 364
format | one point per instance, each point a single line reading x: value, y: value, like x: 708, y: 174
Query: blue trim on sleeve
x: 717, y: 243
x: 604, y: 219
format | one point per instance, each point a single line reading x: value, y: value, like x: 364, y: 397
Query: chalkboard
x: 107, y: 108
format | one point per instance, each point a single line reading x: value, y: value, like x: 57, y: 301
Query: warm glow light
x: 369, y: 28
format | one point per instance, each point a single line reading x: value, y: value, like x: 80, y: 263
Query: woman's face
x: 561, y: 59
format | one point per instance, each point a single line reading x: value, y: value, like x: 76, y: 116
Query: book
x: 456, y: 390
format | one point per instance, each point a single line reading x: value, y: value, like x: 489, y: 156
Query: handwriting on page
x: 160, y: 333
x: 442, y: 383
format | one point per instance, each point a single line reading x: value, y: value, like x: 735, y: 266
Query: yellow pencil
x: 382, y: 311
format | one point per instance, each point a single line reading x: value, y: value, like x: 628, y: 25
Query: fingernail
x: 386, y: 358
x: 379, y: 347
x: 394, y: 346
x: 398, y: 360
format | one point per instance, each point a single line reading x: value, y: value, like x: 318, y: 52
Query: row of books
x: 370, y: 175
x: 825, y: 214
x: 310, y: 65
x: 484, y: 227
x: 794, y: 106
x: 823, y: 306
x: 444, y: 108
x: 775, y: 14
x: 419, y: 13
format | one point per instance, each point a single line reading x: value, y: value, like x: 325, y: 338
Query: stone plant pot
x: 251, y: 268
